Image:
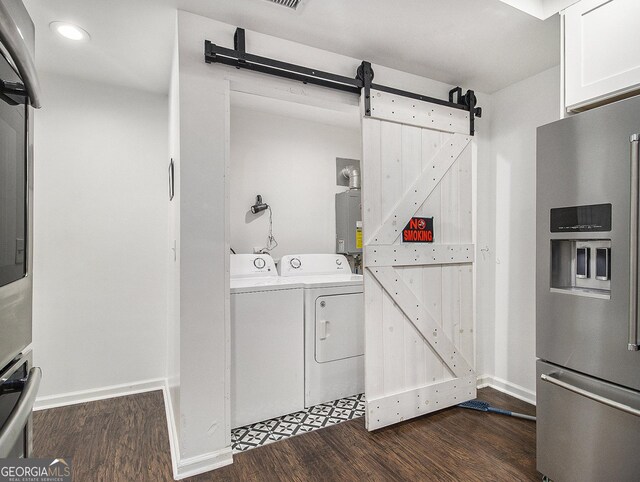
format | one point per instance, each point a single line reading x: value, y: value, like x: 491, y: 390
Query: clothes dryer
x: 333, y: 325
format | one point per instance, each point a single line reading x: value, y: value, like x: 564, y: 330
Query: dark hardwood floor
x: 125, y: 439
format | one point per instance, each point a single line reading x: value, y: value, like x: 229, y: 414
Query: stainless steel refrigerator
x: 588, y: 368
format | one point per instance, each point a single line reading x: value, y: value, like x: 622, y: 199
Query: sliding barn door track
x: 361, y: 84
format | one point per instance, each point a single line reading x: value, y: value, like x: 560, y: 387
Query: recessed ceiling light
x: 70, y: 31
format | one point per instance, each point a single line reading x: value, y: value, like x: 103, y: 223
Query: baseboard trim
x: 509, y: 388
x: 82, y: 396
x: 203, y: 463
x: 189, y: 467
x: 174, y: 445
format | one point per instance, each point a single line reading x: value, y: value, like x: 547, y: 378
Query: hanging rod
x: 361, y: 84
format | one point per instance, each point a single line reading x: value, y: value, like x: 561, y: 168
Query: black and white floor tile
x: 314, y: 418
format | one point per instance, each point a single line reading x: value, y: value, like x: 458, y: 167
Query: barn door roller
x: 361, y: 84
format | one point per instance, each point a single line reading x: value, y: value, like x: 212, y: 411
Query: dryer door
x: 339, y: 327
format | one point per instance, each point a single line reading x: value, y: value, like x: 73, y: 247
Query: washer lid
x: 267, y: 283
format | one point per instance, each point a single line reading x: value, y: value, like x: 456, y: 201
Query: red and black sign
x: 419, y: 230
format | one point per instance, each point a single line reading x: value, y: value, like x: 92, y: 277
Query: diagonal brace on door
x: 420, y: 190
x: 421, y: 319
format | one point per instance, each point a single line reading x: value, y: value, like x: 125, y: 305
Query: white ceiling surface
x: 481, y: 44
x: 542, y: 9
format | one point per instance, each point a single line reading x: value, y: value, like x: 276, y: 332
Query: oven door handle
x: 17, y: 48
x: 18, y: 419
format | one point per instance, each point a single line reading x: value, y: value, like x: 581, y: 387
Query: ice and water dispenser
x: 581, y: 252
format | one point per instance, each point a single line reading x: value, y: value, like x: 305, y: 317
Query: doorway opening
x: 297, y: 308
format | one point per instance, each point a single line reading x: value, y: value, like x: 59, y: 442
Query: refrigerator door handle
x: 633, y: 246
x: 593, y: 396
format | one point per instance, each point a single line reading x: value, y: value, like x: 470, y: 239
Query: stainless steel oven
x: 18, y: 389
x: 19, y: 94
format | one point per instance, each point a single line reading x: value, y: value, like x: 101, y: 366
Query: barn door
x: 418, y: 163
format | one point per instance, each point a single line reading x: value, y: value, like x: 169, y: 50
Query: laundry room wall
x: 291, y: 162
x: 517, y: 111
x: 173, y: 260
x: 100, y: 204
x: 485, y: 242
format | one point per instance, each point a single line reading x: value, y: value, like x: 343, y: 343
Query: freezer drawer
x: 587, y: 430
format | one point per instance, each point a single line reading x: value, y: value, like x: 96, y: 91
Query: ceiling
x: 485, y: 45
x: 542, y: 9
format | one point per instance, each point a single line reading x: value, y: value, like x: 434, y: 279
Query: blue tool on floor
x: 485, y: 407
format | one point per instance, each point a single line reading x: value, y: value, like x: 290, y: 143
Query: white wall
x: 100, y: 282
x: 485, y: 242
x: 517, y: 111
x: 202, y: 436
x: 292, y: 164
x: 173, y: 260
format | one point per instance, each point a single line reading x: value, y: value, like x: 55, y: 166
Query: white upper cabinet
x: 601, y: 51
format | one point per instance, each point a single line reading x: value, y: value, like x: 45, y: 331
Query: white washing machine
x: 267, y: 341
x: 334, y: 325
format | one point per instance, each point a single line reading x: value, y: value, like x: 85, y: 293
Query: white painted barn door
x: 418, y: 160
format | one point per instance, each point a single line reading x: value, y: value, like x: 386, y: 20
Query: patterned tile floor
x: 319, y: 416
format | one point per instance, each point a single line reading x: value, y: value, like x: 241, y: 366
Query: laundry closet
x: 297, y: 310
x: 322, y: 215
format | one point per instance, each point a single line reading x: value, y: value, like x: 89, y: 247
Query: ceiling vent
x: 292, y: 4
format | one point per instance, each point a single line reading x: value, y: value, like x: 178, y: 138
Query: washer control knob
x: 295, y: 263
x: 338, y: 261
x: 259, y: 263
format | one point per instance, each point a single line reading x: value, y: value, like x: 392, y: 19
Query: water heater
x: 349, y: 222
